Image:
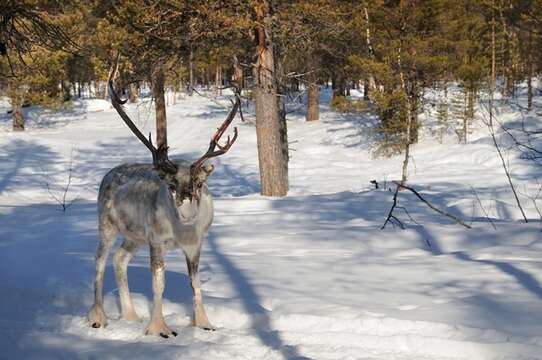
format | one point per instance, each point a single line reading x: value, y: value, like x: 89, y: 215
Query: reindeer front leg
x: 200, y: 317
x: 157, y: 325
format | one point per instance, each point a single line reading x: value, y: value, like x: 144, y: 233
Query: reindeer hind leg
x: 120, y: 262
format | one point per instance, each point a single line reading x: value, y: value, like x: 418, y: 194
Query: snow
x: 308, y: 276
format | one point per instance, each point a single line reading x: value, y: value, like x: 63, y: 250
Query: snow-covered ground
x: 308, y: 276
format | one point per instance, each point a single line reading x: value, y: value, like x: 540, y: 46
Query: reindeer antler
x: 222, y: 149
x: 159, y: 156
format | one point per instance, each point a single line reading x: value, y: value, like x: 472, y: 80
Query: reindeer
x: 165, y: 205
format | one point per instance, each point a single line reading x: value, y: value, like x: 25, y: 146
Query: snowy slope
x: 309, y: 276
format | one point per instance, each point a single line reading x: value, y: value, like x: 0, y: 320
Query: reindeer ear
x: 208, y: 169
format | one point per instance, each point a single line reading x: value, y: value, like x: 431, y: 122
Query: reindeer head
x: 185, y: 180
x: 187, y: 183
x: 186, y: 187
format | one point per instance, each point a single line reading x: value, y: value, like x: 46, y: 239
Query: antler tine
x: 211, y: 152
x: 117, y: 104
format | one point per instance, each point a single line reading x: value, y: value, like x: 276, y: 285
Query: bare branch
x: 394, y: 205
x: 489, y: 125
x: 483, y: 209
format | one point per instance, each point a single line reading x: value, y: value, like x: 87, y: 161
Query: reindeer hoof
x: 97, y: 318
x: 166, y: 336
x: 212, y: 328
x: 159, y: 328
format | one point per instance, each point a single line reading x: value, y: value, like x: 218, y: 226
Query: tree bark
x: 191, y: 72
x: 408, y: 137
x: 493, y: 51
x: 272, y: 159
x: 218, y: 80
x: 530, y: 71
x: 18, y: 119
x: 340, y: 86
x: 371, y: 79
x: 207, y: 78
x: 65, y: 86
x: 17, y: 99
x: 133, y: 93
x: 366, y: 89
x: 157, y: 79
x: 238, y: 77
x: 313, y: 112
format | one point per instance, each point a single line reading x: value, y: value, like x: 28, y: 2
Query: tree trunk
x: 191, y: 72
x: 493, y: 52
x: 371, y: 79
x: 271, y: 141
x: 530, y: 71
x: 366, y: 89
x: 133, y: 92
x: 414, y: 126
x: 18, y: 119
x: 238, y: 77
x: 157, y: 79
x: 16, y: 99
x: 207, y: 78
x: 409, y: 118
x: 471, y: 97
x: 339, y: 88
x: 218, y: 80
x: 313, y: 112
x: 65, y: 87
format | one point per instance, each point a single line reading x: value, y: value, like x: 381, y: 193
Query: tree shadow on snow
x: 19, y: 156
x: 526, y: 280
x: 229, y: 181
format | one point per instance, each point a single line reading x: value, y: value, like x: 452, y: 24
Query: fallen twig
x: 483, y: 209
x: 390, y: 213
x: 506, y: 168
x: 402, y: 186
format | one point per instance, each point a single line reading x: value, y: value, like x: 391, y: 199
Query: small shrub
x: 344, y: 105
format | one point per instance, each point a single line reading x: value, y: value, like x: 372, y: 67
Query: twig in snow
x: 392, y: 217
x: 483, y: 209
x: 62, y: 200
x: 534, y: 198
x: 489, y: 125
x: 402, y: 186
x: 408, y: 214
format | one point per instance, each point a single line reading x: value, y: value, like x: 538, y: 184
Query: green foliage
x: 399, y: 48
x: 463, y: 109
x: 344, y: 105
x: 391, y: 132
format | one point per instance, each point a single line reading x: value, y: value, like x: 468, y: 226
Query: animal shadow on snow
x: 251, y: 301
